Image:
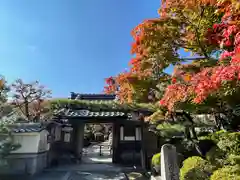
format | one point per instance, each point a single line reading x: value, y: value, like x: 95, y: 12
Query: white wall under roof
x: 33, y: 142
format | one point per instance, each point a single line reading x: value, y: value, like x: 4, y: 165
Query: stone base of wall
x: 24, y: 164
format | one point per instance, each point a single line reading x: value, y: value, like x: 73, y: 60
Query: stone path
x: 91, y: 154
x: 92, y: 167
x: 83, y: 172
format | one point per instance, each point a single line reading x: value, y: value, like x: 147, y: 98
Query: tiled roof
x: 86, y: 113
x: 26, y: 127
x: 90, y: 97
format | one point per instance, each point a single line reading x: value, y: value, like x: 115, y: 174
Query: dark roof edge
x: 79, y: 96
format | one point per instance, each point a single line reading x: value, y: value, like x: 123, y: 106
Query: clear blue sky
x: 68, y: 45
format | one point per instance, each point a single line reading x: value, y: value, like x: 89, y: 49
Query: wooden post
x: 115, y: 142
x: 79, y: 139
x: 100, y: 153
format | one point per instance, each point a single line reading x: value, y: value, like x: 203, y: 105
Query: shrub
x: 156, y: 159
x: 233, y: 159
x: 169, y: 130
x: 216, y: 156
x: 227, y: 142
x: 186, y: 148
x: 230, y: 143
x: 203, y: 146
x: 196, y: 168
x: 215, y: 137
x: 227, y: 173
x: 156, y: 163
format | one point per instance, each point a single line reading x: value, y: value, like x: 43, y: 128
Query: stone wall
x: 31, y: 157
x: 25, y: 163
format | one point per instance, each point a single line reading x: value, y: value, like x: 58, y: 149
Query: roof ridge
x: 86, y: 96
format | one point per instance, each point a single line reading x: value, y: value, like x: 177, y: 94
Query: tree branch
x: 191, y: 59
x: 197, y: 34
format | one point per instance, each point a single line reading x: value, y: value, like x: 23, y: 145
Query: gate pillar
x: 79, y: 140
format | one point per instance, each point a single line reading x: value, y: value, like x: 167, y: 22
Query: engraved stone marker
x: 169, y: 163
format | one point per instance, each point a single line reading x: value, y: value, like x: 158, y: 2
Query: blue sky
x: 68, y: 45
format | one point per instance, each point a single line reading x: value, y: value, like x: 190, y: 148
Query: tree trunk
x: 187, y: 133
x: 27, y: 109
x: 218, y: 121
x: 193, y: 132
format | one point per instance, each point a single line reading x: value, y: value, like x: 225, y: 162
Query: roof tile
x: 86, y: 113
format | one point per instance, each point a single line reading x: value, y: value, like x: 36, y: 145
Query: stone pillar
x: 169, y: 163
x: 79, y: 140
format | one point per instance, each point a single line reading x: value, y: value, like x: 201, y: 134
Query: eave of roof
x: 26, y: 127
x: 104, y: 97
x: 69, y: 113
x: 57, y: 104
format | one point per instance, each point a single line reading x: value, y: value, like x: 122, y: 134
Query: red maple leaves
x: 210, y: 80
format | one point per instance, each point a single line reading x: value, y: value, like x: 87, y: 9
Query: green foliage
x: 7, y: 146
x: 227, y: 150
x: 215, y: 136
x: 187, y: 147
x: 5, y: 109
x: 169, y: 130
x: 6, y: 140
x: 225, y: 155
x: 156, y: 159
x: 216, y: 156
x: 233, y: 159
x: 230, y: 143
x: 196, y: 168
x: 227, y: 173
x: 57, y: 104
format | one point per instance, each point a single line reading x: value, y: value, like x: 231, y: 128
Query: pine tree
x: 6, y: 140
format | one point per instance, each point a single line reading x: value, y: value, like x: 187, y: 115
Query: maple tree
x: 156, y: 46
x: 130, y: 88
x: 30, y: 99
x: 221, y: 79
x: 209, y: 79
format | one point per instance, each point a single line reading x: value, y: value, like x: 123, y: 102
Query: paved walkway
x: 91, y: 154
x: 92, y: 167
x: 83, y: 171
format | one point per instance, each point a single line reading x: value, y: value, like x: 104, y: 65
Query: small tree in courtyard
x: 30, y: 99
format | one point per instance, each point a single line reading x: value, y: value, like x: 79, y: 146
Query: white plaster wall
x: 43, y: 145
x: 32, y: 142
x: 28, y: 141
x: 58, y: 131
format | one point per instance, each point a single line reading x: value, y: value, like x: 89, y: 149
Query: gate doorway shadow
x: 99, y: 147
x: 97, y: 153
